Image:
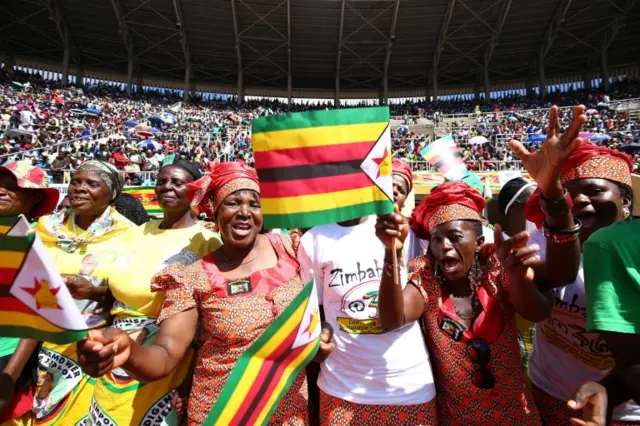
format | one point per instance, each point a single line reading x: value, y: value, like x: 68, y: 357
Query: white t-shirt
x: 564, y: 353
x: 367, y: 366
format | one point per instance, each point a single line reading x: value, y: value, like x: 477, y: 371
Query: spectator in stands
x: 59, y: 166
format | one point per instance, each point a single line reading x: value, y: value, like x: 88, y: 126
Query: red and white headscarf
x: 206, y: 194
x: 448, y: 202
x: 402, y: 169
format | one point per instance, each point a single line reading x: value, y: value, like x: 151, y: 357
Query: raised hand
x: 591, y: 397
x: 391, y: 227
x: 108, y: 348
x: 516, y: 257
x: 544, y: 166
x: 79, y: 287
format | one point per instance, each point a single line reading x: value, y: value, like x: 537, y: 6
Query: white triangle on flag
x: 20, y: 229
x: 310, y: 326
x: 39, y: 286
x: 377, y: 164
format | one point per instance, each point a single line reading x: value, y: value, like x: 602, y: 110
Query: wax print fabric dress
x: 233, y: 314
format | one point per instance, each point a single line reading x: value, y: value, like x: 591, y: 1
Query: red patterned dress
x: 231, y: 324
x: 460, y: 401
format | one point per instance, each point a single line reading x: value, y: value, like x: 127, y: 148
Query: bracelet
x: 388, y: 270
x: 574, y: 230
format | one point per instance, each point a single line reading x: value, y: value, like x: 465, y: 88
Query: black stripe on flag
x: 309, y: 171
x: 438, y: 163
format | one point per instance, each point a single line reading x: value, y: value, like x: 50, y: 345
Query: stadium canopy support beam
x: 9, y: 61
x: 63, y: 32
x: 387, y: 57
x: 234, y: 13
x: 185, y: 49
x: 555, y: 26
x: 502, y: 18
x: 126, y: 37
x: 604, y: 65
x: 79, y: 76
x: 444, y: 29
x: 336, y: 98
x: 289, y: 77
x: 543, y: 80
x: 586, y: 78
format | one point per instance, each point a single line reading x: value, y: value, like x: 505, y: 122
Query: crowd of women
x: 451, y: 329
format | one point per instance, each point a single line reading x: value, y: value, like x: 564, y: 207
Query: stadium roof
x: 313, y: 41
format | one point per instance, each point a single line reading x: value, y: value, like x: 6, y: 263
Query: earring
x: 626, y: 213
x: 476, y: 266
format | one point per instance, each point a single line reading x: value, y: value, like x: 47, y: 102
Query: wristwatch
x: 554, y: 207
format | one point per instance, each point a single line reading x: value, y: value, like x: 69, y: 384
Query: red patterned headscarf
x: 593, y: 161
x: 402, y: 169
x: 450, y: 201
x: 206, y: 194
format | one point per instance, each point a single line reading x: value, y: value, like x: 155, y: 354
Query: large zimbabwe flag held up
x: 34, y: 301
x: 264, y: 373
x: 323, y: 166
x: 147, y: 196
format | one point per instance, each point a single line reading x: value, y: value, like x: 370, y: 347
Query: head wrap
x: 108, y: 173
x: 592, y: 161
x: 400, y: 168
x: 448, y: 202
x: 207, y: 194
x: 185, y: 165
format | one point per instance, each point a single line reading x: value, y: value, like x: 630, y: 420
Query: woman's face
x: 400, y: 190
x: 597, y: 203
x: 454, y: 245
x: 88, y: 194
x: 14, y: 200
x: 172, y: 190
x: 239, y: 218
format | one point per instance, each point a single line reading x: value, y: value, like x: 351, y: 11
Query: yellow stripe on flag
x: 317, y: 136
x: 317, y: 202
x: 12, y: 259
x: 19, y: 319
x: 4, y: 229
x: 253, y: 368
x: 290, y: 369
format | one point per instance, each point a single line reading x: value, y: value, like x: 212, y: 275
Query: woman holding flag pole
x: 260, y: 321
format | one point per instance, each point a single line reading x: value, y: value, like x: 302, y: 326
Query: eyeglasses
x: 480, y: 353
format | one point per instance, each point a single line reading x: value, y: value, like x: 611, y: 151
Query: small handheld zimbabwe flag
x: 323, y: 166
x: 34, y: 301
x: 264, y: 373
x: 443, y: 154
x: 147, y: 196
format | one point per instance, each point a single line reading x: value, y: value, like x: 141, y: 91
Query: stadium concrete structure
x: 330, y: 49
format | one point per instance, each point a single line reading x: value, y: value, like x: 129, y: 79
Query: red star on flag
x: 313, y: 322
x: 381, y: 161
x: 44, y: 296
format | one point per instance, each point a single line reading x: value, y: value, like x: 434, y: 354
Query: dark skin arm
x: 396, y: 307
x: 13, y: 370
x: 110, y: 348
x: 562, y: 261
x: 81, y: 289
x: 623, y: 383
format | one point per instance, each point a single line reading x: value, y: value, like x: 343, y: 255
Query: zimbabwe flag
x: 323, y: 166
x: 34, y: 301
x: 147, y: 196
x: 263, y: 374
x: 443, y: 154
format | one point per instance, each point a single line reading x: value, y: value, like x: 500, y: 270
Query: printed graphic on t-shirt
x: 360, y: 304
x: 566, y: 329
x: 184, y: 257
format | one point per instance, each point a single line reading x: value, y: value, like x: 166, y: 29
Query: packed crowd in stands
x: 61, y: 128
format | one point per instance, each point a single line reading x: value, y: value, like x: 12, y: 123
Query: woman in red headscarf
x: 566, y: 352
x: 235, y: 293
x: 468, y: 292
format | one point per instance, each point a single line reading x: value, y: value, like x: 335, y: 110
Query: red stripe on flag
x: 312, y: 155
x: 260, y: 379
x: 294, y: 188
x: 7, y: 275
x: 11, y: 304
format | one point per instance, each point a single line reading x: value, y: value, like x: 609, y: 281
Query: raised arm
x: 396, y: 307
x: 562, y: 258
x: 110, y: 348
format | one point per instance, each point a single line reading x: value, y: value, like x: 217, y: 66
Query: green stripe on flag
x: 8, y: 221
x: 60, y: 338
x: 21, y: 244
x: 304, y: 120
x: 321, y: 217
